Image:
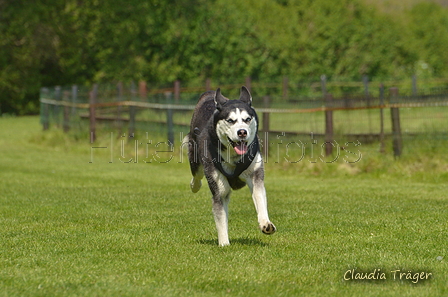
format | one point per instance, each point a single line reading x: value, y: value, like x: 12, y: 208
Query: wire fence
x: 374, y: 112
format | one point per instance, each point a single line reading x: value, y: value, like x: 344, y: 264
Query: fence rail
x: 441, y: 101
x: 362, y: 115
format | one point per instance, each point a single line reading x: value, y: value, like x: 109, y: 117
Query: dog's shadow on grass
x: 236, y: 241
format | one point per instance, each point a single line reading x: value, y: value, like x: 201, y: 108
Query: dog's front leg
x: 220, y: 213
x: 256, y: 186
x: 220, y: 189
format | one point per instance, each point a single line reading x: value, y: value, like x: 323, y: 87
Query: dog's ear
x: 219, y: 99
x: 245, y: 96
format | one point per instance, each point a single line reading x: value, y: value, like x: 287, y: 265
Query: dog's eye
x: 247, y: 120
x: 230, y: 121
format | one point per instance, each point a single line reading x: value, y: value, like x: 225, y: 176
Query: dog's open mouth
x: 240, y: 147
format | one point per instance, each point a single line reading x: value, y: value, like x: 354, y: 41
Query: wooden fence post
x: 396, y: 129
x: 57, y: 108
x: 142, y: 91
x: 132, y: 114
x: 208, y: 84
x: 177, y: 91
x: 365, y: 82
x: 285, y: 88
x: 265, y: 129
x: 132, y: 111
x: 414, y: 85
x: 382, y: 150
x: 248, y: 83
x: 66, y: 121
x: 266, y: 104
x: 323, y: 82
x: 45, y: 118
x: 328, y: 125
x: 92, y: 100
x: 169, y: 120
x: 74, y: 98
x: 118, y: 121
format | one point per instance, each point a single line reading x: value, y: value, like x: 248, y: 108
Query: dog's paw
x: 268, y: 229
x: 195, y: 185
x: 222, y: 244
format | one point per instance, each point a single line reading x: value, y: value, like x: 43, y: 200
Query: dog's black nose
x: 242, y: 133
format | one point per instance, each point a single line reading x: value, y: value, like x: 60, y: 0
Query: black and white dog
x: 224, y: 146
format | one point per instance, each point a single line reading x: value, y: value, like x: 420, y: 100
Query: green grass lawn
x: 75, y: 228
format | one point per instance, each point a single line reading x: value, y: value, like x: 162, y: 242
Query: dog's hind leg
x: 196, y: 168
x: 196, y: 182
x: 220, y: 189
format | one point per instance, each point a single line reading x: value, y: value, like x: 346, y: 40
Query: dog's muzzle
x: 240, y: 147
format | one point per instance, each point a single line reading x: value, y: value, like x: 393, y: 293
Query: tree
x: 61, y: 42
x: 27, y: 55
x: 347, y: 39
x: 428, y: 23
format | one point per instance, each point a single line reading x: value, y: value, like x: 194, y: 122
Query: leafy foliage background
x: 56, y: 42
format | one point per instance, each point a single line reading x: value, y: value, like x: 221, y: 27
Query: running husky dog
x: 224, y: 146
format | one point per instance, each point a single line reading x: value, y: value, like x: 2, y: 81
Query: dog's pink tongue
x: 240, y: 148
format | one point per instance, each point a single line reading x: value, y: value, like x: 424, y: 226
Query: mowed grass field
x: 74, y: 228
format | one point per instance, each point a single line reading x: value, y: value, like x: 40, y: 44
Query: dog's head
x: 236, y: 121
